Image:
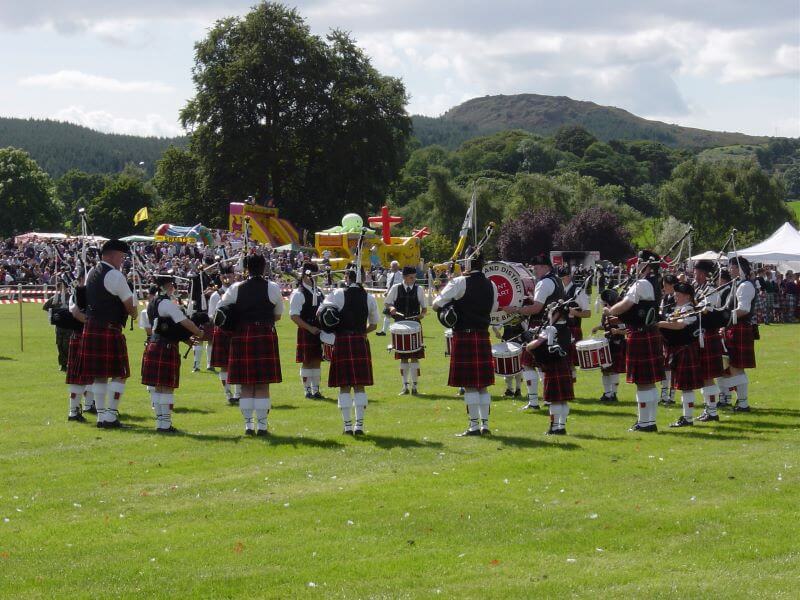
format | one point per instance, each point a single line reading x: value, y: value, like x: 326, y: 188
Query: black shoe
x: 380, y: 333
x: 682, y: 422
x: 115, y: 424
x: 414, y: 391
x: 195, y: 369
x: 309, y: 395
x: 250, y: 432
x: 358, y: 432
x: 62, y: 369
x: 552, y: 431
x: 614, y: 397
x: 233, y: 401
x: 169, y: 429
x: 644, y: 428
x: 517, y: 393
x: 461, y: 391
x: 100, y: 424
x: 486, y: 431
x: 707, y: 417
x: 347, y: 432
x: 211, y: 369
x: 738, y: 409
x: 509, y: 394
x: 318, y: 396
x: 262, y: 433
x: 79, y: 418
x: 469, y: 432
x: 91, y: 410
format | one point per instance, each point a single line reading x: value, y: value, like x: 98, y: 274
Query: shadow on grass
x: 530, y: 442
x: 389, y: 442
x: 283, y: 407
x: 203, y: 437
x: 607, y: 413
x: 7, y: 358
x: 297, y: 441
x: 187, y: 410
x: 738, y: 423
x: 705, y: 433
x: 775, y: 412
x: 589, y: 436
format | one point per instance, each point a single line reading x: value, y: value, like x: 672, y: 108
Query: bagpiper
x: 304, y: 303
x: 709, y: 339
x: 221, y: 338
x: 739, y: 334
x: 77, y: 384
x: 406, y: 301
x: 578, y: 310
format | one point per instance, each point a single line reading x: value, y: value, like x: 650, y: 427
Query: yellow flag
x: 141, y: 215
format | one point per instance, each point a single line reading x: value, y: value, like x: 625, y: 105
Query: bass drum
x: 514, y: 283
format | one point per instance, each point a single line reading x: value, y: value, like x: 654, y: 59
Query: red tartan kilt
x: 74, y: 376
x: 558, y: 386
x: 644, y: 361
x: 220, y: 348
x: 161, y: 365
x: 527, y: 360
x: 617, y: 357
x: 309, y: 348
x: 741, y: 346
x: 687, y: 371
x: 666, y: 355
x: 577, y: 335
x: 352, y: 361
x: 254, y: 358
x: 471, y: 364
x: 711, y: 356
x: 103, y: 352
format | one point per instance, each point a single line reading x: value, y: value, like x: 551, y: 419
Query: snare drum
x: 328, y: 342
x: 448, y: 341
x: 513, y: 282
x: 593, y: 354
x: 406, y: 337
x: 507, y: 357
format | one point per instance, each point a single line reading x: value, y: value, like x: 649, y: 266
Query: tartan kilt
x: 558, y: 386
x: 471, y: 364
x: 309, y: 348
x: 644, y: 362
x: 161, y: 365
x: 687, y: 369
x: 352, y: 361
x: 666, y: 355
x: 220, y: 348
x: 577, y: 335
x: 711, y: 356
x: 618, y: 353
x: 103, y: 352
x: 741, y: 346
x: 254, y: 358
x: 74, y: 376
x: 527, y: 360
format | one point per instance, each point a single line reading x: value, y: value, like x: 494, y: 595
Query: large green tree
x: 282, y: 113
x: 111, y: 212
x: 178, y: 180
x: 26, y: 194
x: 77, y: 189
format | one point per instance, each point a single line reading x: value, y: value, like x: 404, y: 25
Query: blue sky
x: 126, y: 66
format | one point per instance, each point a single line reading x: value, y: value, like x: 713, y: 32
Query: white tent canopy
x: 39, y: 235
x: 781, y: 246
x: 710, y: 255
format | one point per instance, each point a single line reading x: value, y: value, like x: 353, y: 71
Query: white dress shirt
x: 273, y: 291
x: 336, y: 298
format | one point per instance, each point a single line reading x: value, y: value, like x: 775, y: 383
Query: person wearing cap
x: 644, y: 361
x: 709, y: 341
x: 161, y: 362
x: 393, y: 277
x: 103, y: 351
x: 576, y: 313
x: 78, y: 384
x: 198, y: 303
x: 684, y: 352
x: 739, y: 338
x: 511, y: 332
x: 616, y: 341
x: 254, y: 360
x: 406, y: 301
x: 351, y: 364
x: 303, y: 305
x: 473, y: 297
x: 666, y: 308
x: 221, y: 338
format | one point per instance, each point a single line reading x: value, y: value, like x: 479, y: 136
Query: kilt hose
x: 577, y: 335
x: 471, y: 364
x: 220, y: 348
x: 309, y: 347
x: 711, y: 356
x: 254, y: 357
x: 161, y: 364
x: 74, y: 376
x: 741, y: 346
x: 558, y: 386
x: 412, y: 356
x: 352, y: 361
x: 644, y: 360
x: 617, y: 348
x: 687, y: 369
x: 103, y: 351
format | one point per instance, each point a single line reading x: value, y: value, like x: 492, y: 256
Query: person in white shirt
x: 254, y: 360
x: 221, y: 338
x: 393, y: 277
x: 351, y: 364
x: 576, y: 313
x: 739, y: 337
x: 406, y: 302
x: 303, y: 306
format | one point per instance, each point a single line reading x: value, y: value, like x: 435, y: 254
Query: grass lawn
x: 408, y: 512
x: 794, y: 206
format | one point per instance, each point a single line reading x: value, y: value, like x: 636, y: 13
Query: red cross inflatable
x: 420, y: 233
x: 385, y: 222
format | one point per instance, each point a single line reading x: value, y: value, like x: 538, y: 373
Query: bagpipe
x: 62, y: 317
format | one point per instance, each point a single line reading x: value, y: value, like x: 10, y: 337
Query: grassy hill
x: 545, y: 114
x: 59, y: 146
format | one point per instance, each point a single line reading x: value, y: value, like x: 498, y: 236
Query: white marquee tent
x: 782, y: 247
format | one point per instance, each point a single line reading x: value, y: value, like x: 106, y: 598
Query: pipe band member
x: 406, y: 301
x: 304, y: 303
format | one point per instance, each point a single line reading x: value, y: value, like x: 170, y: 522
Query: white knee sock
x: 559, y: 412
x: 652, y: 406
x: 413, y: 368
x: 472, y: 399
x: 608, y: 387
x: 236, y: 390
x: 74, y: 398
x: 115, y: 391
x: 316, y: 376
x: 159, y: 409
x: 208, y: 354
x: 345, y: 403
x: 614, y: 382
x: 517, y: 381
x: 532, y: 385
x: 484, y: 408
x: 223, y: 377
x: 688, y: 398
x: 641, y: 406
x: 246, y: 406
x: 262, y: 406
x: 360, y: 401
x: 166, y: 401
x: 404, y: 373
x: 710, y: 399
x: 305, y: 377
x: 666, y: 383
x: 198, y: 352
x: 741, y: 382
x: 509, y: 379
x: 88, y: 397
x: 100, y: 388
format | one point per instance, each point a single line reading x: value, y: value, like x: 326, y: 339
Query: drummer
x: 511, y: 332
x: 576, y: 313
x: 406, y: 302
x: 615, y: 334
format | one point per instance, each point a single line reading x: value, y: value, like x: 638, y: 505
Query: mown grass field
x: 408, y: 512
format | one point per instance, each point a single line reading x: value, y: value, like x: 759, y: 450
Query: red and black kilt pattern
x: 644, y: 361
x: 687, y: 370
x: 103, y: 351
x: 220, y: 348
x: 352, y: 361
x: 309, y: 348
x: 161, y: 365
x: 254, y: 358
x: 74, y: 376
x: 471, y: 364
x: 577, y: 335
x: 741, y: 346
x: 617, y: 357
x: 666, y: 355
x: 711, y: 356
x: 527, y: 361
x: 558, y: 386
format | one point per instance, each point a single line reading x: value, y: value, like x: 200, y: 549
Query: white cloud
x: 151, y: 125
x: 76, y: 80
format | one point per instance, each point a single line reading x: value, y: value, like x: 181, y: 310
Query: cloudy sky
x: 716, y: 64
